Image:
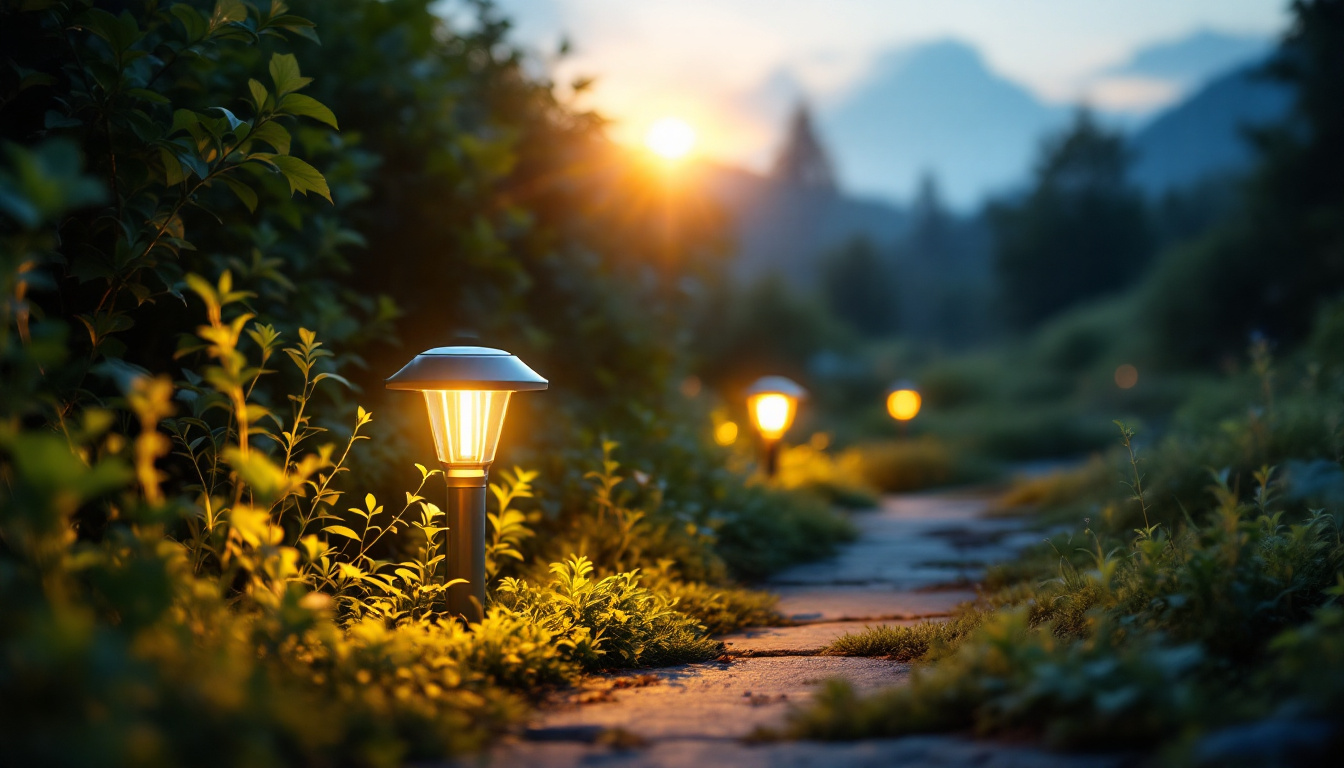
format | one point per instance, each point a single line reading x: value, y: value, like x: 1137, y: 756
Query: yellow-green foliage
x: 608, y: 622
x: 269, y: 616
x: 718, y: 608
x: 1056, y: 489
x: 839, y: 477
x: 508, y: 526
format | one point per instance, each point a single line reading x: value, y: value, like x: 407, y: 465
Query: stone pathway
x: 917, y: 557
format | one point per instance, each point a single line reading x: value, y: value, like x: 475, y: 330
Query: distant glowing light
x: 690, y: 386
x: 670, y: 138
x: 903, y: 404
x: 1126, y: 376
x: 726, y: 433
x: 773, y: 413
x: 820, y: 441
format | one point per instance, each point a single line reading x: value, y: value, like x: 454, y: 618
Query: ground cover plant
x: 1163, y: 625
x: 210, y: 551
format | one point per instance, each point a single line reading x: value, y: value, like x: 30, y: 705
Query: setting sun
x: 670, y: 138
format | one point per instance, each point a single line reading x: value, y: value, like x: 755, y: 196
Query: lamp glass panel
x: 773, y: 413
x: 466, y: 424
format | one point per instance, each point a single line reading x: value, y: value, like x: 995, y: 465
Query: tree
x: 861, y: 289
x: 803, y: 160
x: 1274, y: 265
x: 1080, y: 232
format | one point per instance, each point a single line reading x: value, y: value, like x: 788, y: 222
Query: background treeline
x: 1014, y: 320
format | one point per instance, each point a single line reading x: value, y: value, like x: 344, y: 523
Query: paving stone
x: 711, y: 700
x: 865, y: 603
x: 908, y: 551
x: 909, y: 752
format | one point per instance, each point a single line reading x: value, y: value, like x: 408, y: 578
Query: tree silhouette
x: 1081, y: 231
x: 803, y: 160
x: 860, y: 288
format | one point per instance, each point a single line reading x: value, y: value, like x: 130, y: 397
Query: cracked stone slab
x: 710, y: 700
x: 867, y: 603
x: 909, y: 752
x: 916, y: 541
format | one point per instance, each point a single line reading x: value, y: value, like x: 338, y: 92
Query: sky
x: 701, y: 59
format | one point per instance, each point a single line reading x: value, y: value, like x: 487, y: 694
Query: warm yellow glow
x: 670, y: 138
x: 466, y: 424
x: 726, y: 433
x: 773, y: 413
x: 903, y: 404
x: 1126, y: 376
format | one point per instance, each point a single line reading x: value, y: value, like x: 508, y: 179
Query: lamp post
x: 903, y: 403
x: 467, y: 392
x: 772, y: 402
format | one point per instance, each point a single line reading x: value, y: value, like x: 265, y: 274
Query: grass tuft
x: 915, y: 642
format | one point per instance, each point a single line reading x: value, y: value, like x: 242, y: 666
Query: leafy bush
x: 837, y: 477
x: 184, y: 581
x: 1142, y: 637
x: 609, y: 622
x: 915, y: 464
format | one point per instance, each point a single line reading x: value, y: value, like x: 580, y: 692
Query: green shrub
x: 1144, y: 636
x: 608, y: 622
x: 915, y: 464
x: 718, y: 609
x: 763, y: 530
x: 838, y: 478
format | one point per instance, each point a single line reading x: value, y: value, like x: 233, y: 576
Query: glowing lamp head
x: 773, y: 402
x: 467, y: 392
x: 903, y: 401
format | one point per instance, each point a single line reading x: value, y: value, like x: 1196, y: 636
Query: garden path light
x: 772, y: 402
x: 467, y: 393
x: 903, y: 401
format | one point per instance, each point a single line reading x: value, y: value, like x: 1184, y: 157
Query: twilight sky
x: 700, y: 60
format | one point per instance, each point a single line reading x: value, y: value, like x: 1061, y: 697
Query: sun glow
x: 670, y: 138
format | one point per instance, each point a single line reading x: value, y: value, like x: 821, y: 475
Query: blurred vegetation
x: 1163, y: 623
x: 221, y: 224
x: 1081, y: 230
x: 1194, y: 613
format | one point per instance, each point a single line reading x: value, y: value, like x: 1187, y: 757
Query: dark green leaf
x: 306, y: 106
x: 172, y: 169
x: 275, y: 135
x: 192, y: 21
x: 244, y: 192
x: 285, y: 75
x: 301, y: 176
x: 258, y: 95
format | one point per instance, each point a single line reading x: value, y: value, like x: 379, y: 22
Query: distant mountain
x: 1193, y: 60
x: 935, y: 107
x: 1204, y: 135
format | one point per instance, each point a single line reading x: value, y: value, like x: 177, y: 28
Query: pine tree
x: 802, y: 160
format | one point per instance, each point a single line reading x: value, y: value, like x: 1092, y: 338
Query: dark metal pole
x: 466, y: 545
x: 771, y: 457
